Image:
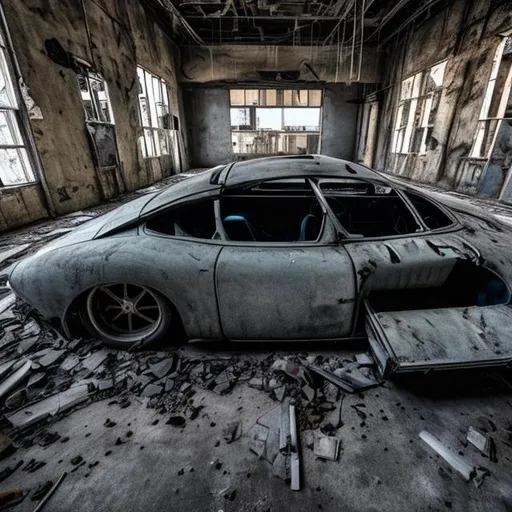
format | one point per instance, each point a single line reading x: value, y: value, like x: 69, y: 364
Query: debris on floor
x: 470, y: 472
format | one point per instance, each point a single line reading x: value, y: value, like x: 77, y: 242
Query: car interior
x: 367, y: 210
x: 273, y: 211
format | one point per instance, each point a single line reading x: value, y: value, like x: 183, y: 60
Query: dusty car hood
x: 101, y: 225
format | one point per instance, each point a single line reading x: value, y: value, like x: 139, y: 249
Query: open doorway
x: 275, y: 121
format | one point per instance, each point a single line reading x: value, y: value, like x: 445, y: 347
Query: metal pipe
x: 362, y: 41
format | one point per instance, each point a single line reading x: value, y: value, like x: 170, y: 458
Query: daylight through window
x: 15, y: 165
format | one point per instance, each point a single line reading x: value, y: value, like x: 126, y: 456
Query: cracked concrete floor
x: 136, y: 461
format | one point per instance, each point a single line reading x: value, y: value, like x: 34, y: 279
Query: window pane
x: 240, y: 118
x: 9, y: 132
x: 7, y: 96
x: 268, y: 118
x: 302, y: 98
x: 251, y: 97
x: 315, y: 98
x: 148, y: 137
x: 302, y: 119
x: 150, y: 101
x: 287, y: 98
x: 15, y: 167
x: 237, y: 96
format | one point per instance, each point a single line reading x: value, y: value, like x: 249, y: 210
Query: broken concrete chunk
x: 479, y: 441
x: 152, y: 390
x: 309, y: 393
x: 290, y: 368
x: 355, y: 378
x: 256, y: 383
x: 232, y: 432
x: 258, y: 436
x: 280, y: 466
x: 50, y: 406
x: 280, y: 393
x: 15, y: 378
x: 37, y: 379
x: 94, y: 360
x: 162, y: 368
x: 326, y: 447
x: 364, y: 359
x: 5, y: 368
x: 70, y: 362
x: 51, y: 358
x: 294, y: 451
x: 27, y: 344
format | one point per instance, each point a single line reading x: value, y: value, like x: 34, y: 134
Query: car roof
x: 260, y: 169
x: 293, y: 166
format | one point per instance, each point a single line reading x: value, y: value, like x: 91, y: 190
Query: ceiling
x: 291, y: 22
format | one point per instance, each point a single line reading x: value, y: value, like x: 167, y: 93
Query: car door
x: 285, y: 290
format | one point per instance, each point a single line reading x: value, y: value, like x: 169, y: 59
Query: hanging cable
x: 353, y: 42
x: 362, y: 41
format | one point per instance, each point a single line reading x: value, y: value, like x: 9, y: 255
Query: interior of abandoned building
x: 102, y: 101
x: 104, y: 97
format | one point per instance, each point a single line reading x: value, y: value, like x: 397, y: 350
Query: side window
x: 193, y: 220
x: 432, y: 216
x: 285, y: 210
x: 368, y: 210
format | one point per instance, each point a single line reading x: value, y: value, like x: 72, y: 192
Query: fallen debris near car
x: 470, y: 472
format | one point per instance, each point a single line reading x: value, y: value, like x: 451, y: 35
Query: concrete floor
x: 383, y: 464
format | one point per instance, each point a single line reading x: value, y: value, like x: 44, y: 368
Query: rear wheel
x: 123, y: 315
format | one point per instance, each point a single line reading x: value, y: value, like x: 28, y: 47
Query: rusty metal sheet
x: 279, y: 293
x: 409, y: 262
x: 444, y: 338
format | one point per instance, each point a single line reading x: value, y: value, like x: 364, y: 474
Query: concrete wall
x: 209, y: 126
x: 243, y: 63
x: 467, y: 34
x: 339, y: 121
x: 122, y: 36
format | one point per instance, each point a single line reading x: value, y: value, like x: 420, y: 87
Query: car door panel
x: 285, y: 292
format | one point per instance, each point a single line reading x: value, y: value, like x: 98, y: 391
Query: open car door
x: 462, y: 337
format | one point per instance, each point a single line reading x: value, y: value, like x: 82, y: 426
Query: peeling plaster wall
x: 339, y: 121
x: 242, y: 63
x: 209, y: 126
x: 21, y: 205
x: 467, y: 34
x: 122, y: 35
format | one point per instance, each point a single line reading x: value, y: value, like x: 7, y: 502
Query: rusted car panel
x: 284, y: 294
x: 181, y: 270
x: 411, y: 262
x: 442, y: 338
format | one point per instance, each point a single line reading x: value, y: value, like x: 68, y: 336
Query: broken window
x: 272, y: 121
x: 95, y: 99
x: 15, y: 164
x: 496, y: 104
x: 284, y: 210
x: 154, y: 114
x: 409, y: 95
x: 430, y: 96
x: 191, y: 220
x: 368, y: 210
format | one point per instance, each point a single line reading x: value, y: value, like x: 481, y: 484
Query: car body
x: 290, y: 248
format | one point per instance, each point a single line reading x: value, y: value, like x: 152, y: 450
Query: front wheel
x: 123, y: 315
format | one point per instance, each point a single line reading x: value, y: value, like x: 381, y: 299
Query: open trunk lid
x: 446, y: 338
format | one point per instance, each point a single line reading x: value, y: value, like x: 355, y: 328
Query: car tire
x: 111, y: 313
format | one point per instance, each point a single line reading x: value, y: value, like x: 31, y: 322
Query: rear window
x: 432, y: 216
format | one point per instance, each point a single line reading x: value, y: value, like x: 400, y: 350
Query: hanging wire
x: 362, y: 41
x: 337, y: 56
x: 353, y: 42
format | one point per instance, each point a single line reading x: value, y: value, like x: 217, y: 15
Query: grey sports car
x: 285, y: 248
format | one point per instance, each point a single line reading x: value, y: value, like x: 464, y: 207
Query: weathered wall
x: 467, y: 34
x: 21, y: 205
x: 209, y: 126
x: 122, y: 36
x: 339, y: 121
x: 242, y: 63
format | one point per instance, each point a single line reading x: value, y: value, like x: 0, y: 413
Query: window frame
x: 16, y: 126
x: 484, y: 119
x: 153, y: 91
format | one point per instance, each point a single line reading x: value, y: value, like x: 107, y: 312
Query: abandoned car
x: 285, y: 248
